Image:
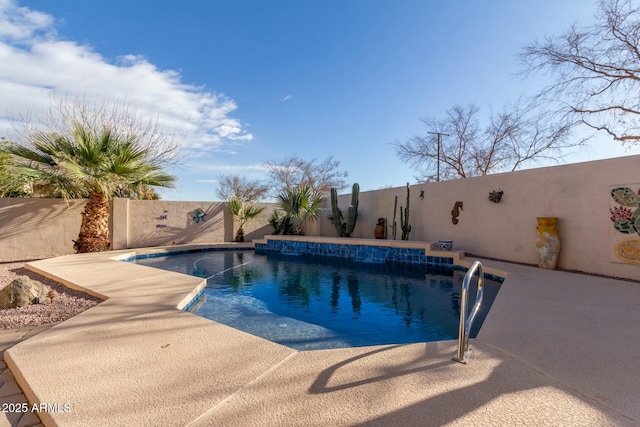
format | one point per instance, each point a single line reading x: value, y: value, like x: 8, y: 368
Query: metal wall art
x: 456, y: 211
x: 496, y: 196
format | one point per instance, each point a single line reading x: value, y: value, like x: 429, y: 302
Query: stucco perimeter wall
x: 157, y: 222
x: 35, y: 228
x: 578, y: 194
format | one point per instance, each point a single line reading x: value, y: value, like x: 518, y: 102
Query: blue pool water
x: 309, y: 302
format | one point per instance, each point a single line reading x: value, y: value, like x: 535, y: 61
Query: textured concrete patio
x: 556, y: 349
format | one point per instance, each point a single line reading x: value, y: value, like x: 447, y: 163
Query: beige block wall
x: 35, y: 228
x: 157, y: 223
x: 578, y: 194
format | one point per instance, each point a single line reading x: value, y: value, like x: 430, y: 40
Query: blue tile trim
x: 178, y: 252
x: 494, y: 277
x: 360, y: 253
x: 193, y: 301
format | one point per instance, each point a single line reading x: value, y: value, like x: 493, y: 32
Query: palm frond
x: 90, y: 161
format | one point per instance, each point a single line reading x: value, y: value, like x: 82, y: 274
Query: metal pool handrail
x: 465, y: 323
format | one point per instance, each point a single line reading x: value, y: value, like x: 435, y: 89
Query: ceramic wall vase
x: 380, y: 228
x: 548, y: 243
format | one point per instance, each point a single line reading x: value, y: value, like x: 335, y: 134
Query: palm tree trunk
x: 239, y: 235
x: 94, y: 230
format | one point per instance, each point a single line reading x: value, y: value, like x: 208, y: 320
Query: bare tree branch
x: 595, y: 71
x: 79, y: 119
x: 513, y: 137
x: 238, y: 187
x: 293, y: 172
x: 121, y: 119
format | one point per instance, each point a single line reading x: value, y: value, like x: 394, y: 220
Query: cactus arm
x: 351, y: 221
x: 404, y: 218
x: 402, y: 224
x: 394, y: 227
x: 355, y: 197
x: 336, y: 214
x: 385, y: 228
x: 406, y: 212
x: 352, y: 211
x: 345, y: 229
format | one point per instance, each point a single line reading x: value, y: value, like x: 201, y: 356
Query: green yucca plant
x: 299, y: 205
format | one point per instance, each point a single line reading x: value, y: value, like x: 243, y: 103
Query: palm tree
x: 243, y: 212
x: 87, y: 163
x: 299, y: 205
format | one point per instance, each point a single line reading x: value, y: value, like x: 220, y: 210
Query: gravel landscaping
x: 66, y: 304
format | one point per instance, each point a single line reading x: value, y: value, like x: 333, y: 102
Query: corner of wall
x: 120, y: 223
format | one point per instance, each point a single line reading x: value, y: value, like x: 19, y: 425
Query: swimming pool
x: 313, y: 302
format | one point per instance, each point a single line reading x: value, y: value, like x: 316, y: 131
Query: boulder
x: 21, y: 292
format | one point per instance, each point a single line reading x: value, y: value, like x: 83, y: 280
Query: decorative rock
x: 52, y: 294
x: 22, y: 292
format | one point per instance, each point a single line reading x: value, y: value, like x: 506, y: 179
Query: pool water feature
x: 312, y: 302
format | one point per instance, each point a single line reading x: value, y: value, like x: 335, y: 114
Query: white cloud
x: 288, y: 97
x: 206, y: 166
x: 20, y: 23
x: 36, y: 65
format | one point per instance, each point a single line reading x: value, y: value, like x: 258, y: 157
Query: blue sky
x: 249, y: 81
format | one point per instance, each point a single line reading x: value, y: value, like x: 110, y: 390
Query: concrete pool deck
x: 556, y: 349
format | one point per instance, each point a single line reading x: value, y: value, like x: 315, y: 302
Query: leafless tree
x: 237, y: 186
x: 120, y: 118
x: 293, y: 172
x: 511, y: 138
x: 595, y: 70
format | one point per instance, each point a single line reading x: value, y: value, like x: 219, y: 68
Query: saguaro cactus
x: 385, y: 228
x: 345, y: 229
x: 336, y: 213
x: 394, y: 227
x: 404, y: 217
